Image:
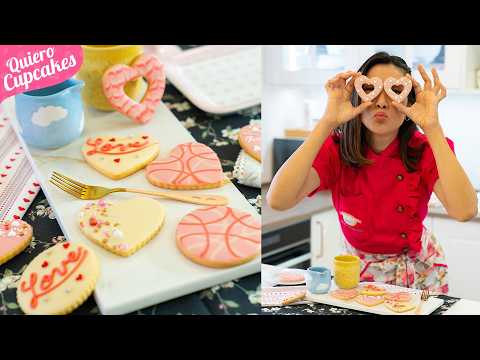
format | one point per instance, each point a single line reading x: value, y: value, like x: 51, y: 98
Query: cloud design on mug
x: 44, y: 116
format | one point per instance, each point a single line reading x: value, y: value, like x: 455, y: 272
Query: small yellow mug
x: 97, y: 59
x: 346, y: 271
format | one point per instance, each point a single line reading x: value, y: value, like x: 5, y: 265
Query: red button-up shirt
x: 381, y: 207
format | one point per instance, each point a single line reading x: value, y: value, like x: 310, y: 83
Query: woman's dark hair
x: 352, y: 134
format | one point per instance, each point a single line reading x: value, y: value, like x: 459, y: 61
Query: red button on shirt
x: 367, y: 199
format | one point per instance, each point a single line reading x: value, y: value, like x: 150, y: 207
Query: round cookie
x: 250, y: 139
x: 372, y: 290
x: 219, y: 236
x: 58, y: 280
x: 344, y: 294
x: 122, y: 227
x: 15, y: 236
x: 369, y: 300
x: 189, y: 166
x: 119, y: 156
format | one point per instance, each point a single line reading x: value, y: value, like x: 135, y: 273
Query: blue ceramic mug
x: 51, y: 117
x: 318, y: 279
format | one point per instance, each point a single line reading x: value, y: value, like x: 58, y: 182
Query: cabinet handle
x: 322, y: 230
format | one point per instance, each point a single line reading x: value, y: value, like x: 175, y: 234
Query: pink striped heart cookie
x: 219, y: 236
x: 250, y: 139
x: 115, y: 78
x: 119, y: 156
x: 15, y: 236
x: 189, y: 166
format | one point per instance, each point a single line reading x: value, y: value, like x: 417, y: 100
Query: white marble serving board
x: 158, y: 272
x: 427, y: 308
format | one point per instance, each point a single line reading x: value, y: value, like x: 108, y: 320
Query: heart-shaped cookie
x: 115, y: 78
x: 375, y: 84
x: 189, y: 166
x: 58, y: 280
x: 15, y: 236
x: 390, y: 85
x: 122, y: 227
x: 118, y: 157
x: 219, y: 236
x: 250, y: 139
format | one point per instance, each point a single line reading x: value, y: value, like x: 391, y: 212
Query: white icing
x: 12, y: 233
x: 15, y: 223
x: 117, y: 233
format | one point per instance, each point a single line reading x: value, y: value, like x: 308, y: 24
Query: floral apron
x: 426, y: 269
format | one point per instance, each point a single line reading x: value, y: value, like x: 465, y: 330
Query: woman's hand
x: 425, y: 110
x: 339, y: 108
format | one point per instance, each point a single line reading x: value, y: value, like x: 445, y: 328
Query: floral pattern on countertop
x: 239, y: 296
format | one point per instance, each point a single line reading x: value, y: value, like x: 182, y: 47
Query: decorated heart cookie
x: 404, y: 83
x: 398, y: 306
x: 250, y: 139
x: 58, y: 280
x: 123, y: 227
x: 369, y: 300
x: 375, y: 83
x: 115, y: 78
x: 189, y: 166
x: 118, y: 157
x: 15, y: 236
x: 219, y: 236
x: 344, y: 294
x: 373, y: 290
x: 401, y: 296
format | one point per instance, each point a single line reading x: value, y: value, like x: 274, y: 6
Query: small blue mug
x: 51, y: 117
x: 318, y: 279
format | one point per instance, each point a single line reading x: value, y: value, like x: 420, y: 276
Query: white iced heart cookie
x: 392, y: 84
x: 58, y: 280
x: 122, y: 227
x: 375, y: 84
x: 118, y: 157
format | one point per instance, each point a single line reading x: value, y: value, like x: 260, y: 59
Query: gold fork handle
x: 214, y: 200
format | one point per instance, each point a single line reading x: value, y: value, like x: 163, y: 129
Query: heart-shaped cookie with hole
x: 118, y: 156
x: 122, y: 227
x: 368, y: 89
x: 58, y: 280
x: 115, y: 78
x: 15, y: 236
x: 189, y: 166
x: 398, y: 89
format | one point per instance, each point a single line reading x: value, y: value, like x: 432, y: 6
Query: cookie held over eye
x: 15, y: 236
x: 398, y: 89
x: 373, y: 85
x: 58, y: 280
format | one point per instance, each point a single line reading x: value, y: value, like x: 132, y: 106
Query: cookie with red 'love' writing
x: 219, y: 236
x: 58, y: 280
x: 15, y: 236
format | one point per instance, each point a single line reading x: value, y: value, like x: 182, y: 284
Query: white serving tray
x: 273, y: 296
x: 158, y: 272
x: 218, y: 79
x: 427, y: 308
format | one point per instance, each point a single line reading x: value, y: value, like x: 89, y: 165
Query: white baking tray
x: 218, y: 79
x: 158, y: 272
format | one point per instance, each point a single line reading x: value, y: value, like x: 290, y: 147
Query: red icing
x: 26, y: 200
x: 47, y: 282
x: 8, y: 167
x: 31, y: 192
x: 66, y: 245
x: 98, y: 146
x: 45, y: 264
x: 3, y: 175
x: 79, y: 277
x: 93, y: 221
x: 21, y: 208
x: 36, y: 184
x: 12, y: 159
x: 144, y: 137
x: 112, y: 139
x: 117, y: 160
x: 16, y: 217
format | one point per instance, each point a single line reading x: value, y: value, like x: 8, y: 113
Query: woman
x: 381, y: 171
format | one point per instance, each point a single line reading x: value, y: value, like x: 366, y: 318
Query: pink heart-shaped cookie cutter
x: 375, y: 82
x: 404, y: 81
x: 115, y: 78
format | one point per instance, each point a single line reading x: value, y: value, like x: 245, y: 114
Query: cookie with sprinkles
x: 15, y: 236
x: 122, y: 227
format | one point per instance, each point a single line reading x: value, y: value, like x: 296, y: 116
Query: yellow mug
x: 97, y: 59
x: 346, y: 271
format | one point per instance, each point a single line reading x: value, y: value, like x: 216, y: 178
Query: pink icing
x: 251, y: 138
x: 286, y: 277
x: 219, y: 234
x: 11, y: 236
x: 188, y: 164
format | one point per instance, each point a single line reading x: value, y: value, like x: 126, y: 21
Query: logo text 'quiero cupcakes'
x: 58, y: 280
x: 219, y: 236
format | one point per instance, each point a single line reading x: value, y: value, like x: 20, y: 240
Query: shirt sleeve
x: 430, y: 171
x: 327, y: 165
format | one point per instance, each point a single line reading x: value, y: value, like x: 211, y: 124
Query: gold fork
x: 423, y: 297
x: 91, y: 192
